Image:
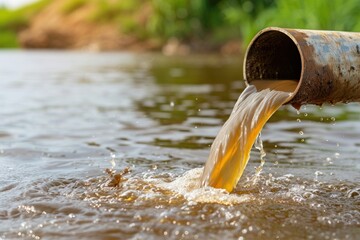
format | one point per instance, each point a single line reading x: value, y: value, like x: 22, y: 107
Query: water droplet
x: 318, y: 173
x: 172, y: 104
x: 321, y: 119
x: 195, y: 127
x: 333, y: 119
x: 275, y: 146
x: 305, y: 114
x: 337, y: 155
x: 297, y: 112
x: 276, y: 163
x: 298, y: 120
x: 301, y: 132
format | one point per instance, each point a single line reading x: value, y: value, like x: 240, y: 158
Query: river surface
x: 112, y: 145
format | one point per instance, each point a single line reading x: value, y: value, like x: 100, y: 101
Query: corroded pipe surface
x: 325, y: 63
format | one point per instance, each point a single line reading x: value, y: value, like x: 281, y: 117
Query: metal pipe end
x: 273, y: 54
x: 325, y: 64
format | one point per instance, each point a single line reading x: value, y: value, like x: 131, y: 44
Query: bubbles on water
x: 158, y: 203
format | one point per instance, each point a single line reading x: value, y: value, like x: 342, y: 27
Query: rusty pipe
x: 326, y: 64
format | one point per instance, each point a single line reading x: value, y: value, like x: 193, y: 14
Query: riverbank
x: 173, y: 27
x: 96, y: 26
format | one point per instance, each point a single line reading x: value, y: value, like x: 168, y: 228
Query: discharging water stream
x: 112, y: 146
x: 230, y: 151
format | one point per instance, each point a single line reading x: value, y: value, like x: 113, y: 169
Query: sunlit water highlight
x: 69, y: 116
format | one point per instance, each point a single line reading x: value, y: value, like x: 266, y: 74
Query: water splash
x: 259, y: 146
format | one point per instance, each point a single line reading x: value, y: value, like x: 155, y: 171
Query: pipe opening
x: 273, y: 55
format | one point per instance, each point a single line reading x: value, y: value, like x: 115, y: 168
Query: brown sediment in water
x: 231, y: 148
x: 278, y: 85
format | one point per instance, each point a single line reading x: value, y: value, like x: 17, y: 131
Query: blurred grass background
x: 213, y: 21
x: 14, y: 20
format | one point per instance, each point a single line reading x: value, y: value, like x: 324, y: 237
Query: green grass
x: 8, y: 39
x: 307, y: 14
x: 12, y: 21
x: 70, y: 6
x: 213, y: 21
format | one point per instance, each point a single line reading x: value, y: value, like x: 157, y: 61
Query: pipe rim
x: 292, y: 38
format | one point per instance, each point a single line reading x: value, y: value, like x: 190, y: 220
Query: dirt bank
x: 52, y: 28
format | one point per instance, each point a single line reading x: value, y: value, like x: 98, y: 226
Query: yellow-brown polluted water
x: 231, y: 148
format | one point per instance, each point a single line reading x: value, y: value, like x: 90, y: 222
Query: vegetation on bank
x: 13, y: 21
x: 211, y: 21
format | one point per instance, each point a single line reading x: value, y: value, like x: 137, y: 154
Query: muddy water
x: 230, y: 151
x: 67, y: 117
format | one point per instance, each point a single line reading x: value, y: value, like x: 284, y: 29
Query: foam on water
x: 154, y: 204
x: 188, y: 185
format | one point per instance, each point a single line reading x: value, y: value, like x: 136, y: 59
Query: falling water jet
x: 323, y: 66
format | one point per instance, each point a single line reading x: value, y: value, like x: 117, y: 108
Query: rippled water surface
x: 111, y: 146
